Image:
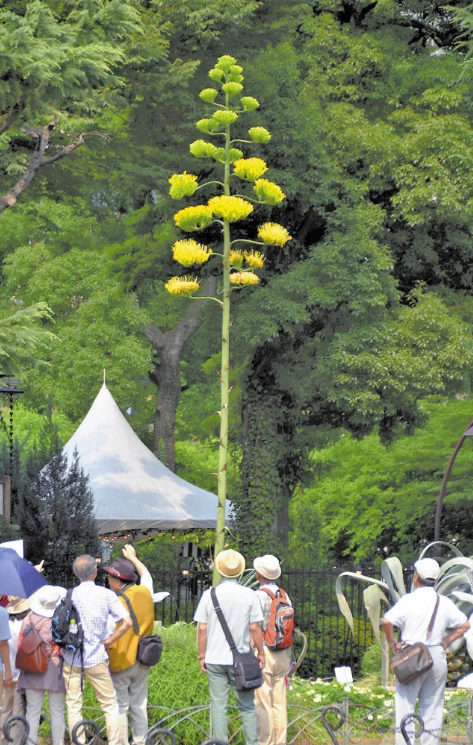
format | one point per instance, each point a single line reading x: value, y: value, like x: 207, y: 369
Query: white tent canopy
x: 132, y: 489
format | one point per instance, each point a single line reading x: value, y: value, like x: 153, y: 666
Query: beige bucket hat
x: 17, y: 605
x: 268, y: 566
x: 230, y: 564
x: 46, y: 599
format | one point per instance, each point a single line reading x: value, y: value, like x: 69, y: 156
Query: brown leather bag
x: 414, y: 659
x: 31, y: 655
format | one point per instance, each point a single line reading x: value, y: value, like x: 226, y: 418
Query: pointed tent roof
x: 132, y: 489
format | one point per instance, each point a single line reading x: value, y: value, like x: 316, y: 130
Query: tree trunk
x: 167, y: 373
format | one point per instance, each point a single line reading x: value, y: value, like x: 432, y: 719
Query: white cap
x: 427, y: 569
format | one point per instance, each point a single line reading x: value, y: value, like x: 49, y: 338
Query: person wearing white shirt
x: 243, y: 615
x: 412, y: 615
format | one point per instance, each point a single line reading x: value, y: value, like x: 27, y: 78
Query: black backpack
x: 65, y: 616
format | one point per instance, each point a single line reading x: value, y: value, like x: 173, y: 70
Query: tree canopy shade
x: 55, y: 67
x: 368, y: 501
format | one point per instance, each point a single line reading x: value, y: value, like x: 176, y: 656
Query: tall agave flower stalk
x: 238, y: 264
x: 454, y: 582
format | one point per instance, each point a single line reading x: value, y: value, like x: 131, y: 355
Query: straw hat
x: 230, y: 564
x: 46, y: 599
x: 17, y: 605
x: 268, y: 566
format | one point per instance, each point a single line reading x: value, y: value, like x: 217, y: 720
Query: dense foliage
x: 358, y: 320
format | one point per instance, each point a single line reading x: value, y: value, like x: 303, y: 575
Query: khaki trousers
x: 131, y: 687
x: 270, y: 698
x: 12, y: 704
x: 101, y: 682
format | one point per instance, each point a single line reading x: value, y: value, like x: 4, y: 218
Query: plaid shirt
x: 95, y: 605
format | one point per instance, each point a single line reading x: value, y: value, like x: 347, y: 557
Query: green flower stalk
x: 238, y: 265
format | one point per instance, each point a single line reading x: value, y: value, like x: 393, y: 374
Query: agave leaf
x: 393, y: 575
x: 372, y: 597
x: 449, y: 566
x: 453, y: 549
x: 466, y: 597
x: 342, y: 602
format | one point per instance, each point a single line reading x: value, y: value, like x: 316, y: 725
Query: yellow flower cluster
x: 273, y: 234
x: 268, y: 192
x: 255, y: 259
x: 225, y: 117
x: 244, y: 278
x: 189, y: 252
x: 230, y: 208
x: 182, y: 185
x: 259, y: 134
x: 202, y: 149
x: 182, y: 286
x: 236, y: 258
x: 250, y: 168
x: 193, y: 218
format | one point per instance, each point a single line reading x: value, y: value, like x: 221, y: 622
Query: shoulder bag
x: 248, y: 673
x: 414, y: 659
x: 31, y: 656
x: 149, y: 647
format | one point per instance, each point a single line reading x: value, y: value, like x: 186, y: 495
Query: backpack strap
x: 268, y: 592
x: 136, y: 626
x: 223, y: 623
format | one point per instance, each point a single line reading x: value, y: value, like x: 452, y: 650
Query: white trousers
x: 131, y: 687
x: 34, y: 706
x: 270, y: 698
x: 429, y: 688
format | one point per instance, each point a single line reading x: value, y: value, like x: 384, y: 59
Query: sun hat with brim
x: 17, y: 605
x: 427, y: 569
x: 123, y: 570
x: 45, y: 600
x: 230, y: 564
x: 268, y: 566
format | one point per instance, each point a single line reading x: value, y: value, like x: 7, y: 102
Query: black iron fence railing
x: 330, y: 641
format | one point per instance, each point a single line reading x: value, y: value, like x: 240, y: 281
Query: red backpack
x: 280, y: 631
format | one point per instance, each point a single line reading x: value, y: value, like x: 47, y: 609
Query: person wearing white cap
x: 412, y: 615
x: 34, y: 685
x: 270, y: 698
x: 243, y: 615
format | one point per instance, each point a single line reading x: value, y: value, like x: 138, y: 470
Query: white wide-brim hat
x: 427, y: 569
x: 45, y: 600
x: 230, y: 563
x: 268, y: 566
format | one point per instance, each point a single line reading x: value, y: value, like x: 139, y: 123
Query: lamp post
x: 9, y: 388
x: 467, y: 433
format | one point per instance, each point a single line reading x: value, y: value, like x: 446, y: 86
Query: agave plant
x: 454, y: 582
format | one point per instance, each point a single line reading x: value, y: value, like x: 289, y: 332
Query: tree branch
x: 38, y: 160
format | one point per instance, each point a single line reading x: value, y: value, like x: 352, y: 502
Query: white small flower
x: 347, y: 688
x: 388, y: 702
x: 370, y: 717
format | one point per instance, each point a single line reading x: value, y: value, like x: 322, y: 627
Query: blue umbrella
x: 17, y: 576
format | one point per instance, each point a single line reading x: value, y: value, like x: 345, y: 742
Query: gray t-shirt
x: 4, y: 630
x: 240, y: 607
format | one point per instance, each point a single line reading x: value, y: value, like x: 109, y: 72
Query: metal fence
x: 330, y: 642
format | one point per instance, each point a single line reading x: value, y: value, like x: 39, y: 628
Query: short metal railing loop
x: 10, y: 723
x: 161, y: 736
x: 406, y: 721
x: 90, y: 733
x: 331, y: 729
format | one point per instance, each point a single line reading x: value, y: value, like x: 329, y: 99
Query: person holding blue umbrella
x: 17, y: 576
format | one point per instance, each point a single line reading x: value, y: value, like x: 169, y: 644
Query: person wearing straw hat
x: 34, y: 685
x: 270, y: 698
x: 13, y: 702
x: 243, y: 615
x: 412, y: 615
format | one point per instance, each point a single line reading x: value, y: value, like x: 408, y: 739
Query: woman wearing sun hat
x: 34, y: 685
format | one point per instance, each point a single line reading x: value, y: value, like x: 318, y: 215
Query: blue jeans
x: 221, y: 677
